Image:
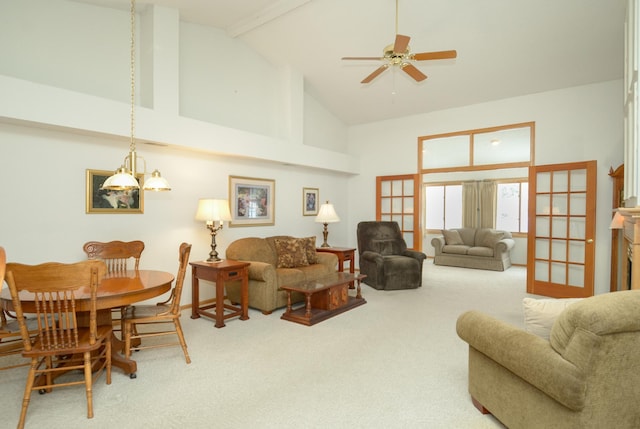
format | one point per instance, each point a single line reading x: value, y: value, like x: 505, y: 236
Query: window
x: 512, y: 206
x: 443, y: 206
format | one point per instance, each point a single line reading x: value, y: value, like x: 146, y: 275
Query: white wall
x: 573, y: 124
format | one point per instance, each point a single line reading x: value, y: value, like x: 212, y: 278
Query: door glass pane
x: 408, y: 205
x: 543, y: 182
x: 543, y: 204
x: 396, y: 187
x: 408, y: 238
x: 576, y: 275
x: 559, y: 250
x: 385, y: 189
x: 385, y: 205
x: 542, y: 248
x: 542, y: 271
x: 408, y: 222
x: 385, y: 217
x: 577, y: 228
x: 559, y: 227
x: 397, y: 205
x: 559, y: 204
x: 408, y: 188
x: 560, y: 181
x: 578, y: 204
x: 543, y: 226
x: 578, y: 180
x: 558, y: 273
x: 576, y: 251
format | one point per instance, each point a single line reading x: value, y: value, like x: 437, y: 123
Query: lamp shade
x: 156, y: 183
x: 617, y: 222
x: 122, y: 180
x: 327, y: 214
x: 210, y: 209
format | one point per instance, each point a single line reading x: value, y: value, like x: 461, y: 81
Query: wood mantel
x: 631, y: 249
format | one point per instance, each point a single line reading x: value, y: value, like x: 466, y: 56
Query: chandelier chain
x: 132, y: 67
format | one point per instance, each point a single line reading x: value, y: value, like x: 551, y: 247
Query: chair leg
x: 183, y: 343
x: 126, y: 330
x: 88, y: 383
x: 108, y: 358
x: 27, y: 392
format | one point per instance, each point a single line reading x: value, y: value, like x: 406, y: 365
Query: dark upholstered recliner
x: 385, y: 259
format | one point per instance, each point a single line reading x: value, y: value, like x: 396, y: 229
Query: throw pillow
x: 452, y: 237
x: 491, y: 238
x: 386, y: 247
x: 540, y: 314
x: 290, y: 253
x: 309, y: 244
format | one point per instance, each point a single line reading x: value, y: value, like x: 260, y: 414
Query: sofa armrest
x: 438, y: 244
x: 526, y: 355
x: 328, y: 259
x: 504, y: 246
x: 414, y: 254
x: 371, y: 257
x: 261, y: 271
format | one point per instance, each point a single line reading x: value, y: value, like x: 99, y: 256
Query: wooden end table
x: 324, y: 298
x: 220, y: 272
x: 344, y: 254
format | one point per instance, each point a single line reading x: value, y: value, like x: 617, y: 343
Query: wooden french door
x: 561, y: 246
x: 398, y: 199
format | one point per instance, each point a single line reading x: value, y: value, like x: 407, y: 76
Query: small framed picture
x: 252, y: 201
x: 310, y: 198
x: 106, y: 201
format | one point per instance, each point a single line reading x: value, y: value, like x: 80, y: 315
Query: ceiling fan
x: 399, y: 55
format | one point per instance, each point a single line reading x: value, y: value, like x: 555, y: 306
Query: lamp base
x: 213, y: 255
x: 325, y: 234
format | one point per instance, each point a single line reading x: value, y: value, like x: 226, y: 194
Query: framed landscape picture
x: 252, y: 201
x: 310, y: 198
x: 105, y: 201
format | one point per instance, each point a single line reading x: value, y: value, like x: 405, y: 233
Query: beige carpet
x: 395, y: 362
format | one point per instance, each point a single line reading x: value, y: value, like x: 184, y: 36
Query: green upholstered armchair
x: 586, y: 376
x: 385, y: 259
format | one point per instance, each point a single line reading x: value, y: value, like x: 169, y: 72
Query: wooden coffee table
x: 324, y: 298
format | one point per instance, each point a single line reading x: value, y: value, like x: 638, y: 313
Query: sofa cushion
x: 480, y: 251
x: 458, y: 249
x: 291, y: 253
x: 540, y: 314
x: 309, y: 244
x: 452, y: 237
x: 488, y: 237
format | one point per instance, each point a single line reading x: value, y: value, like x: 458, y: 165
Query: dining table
x: 116, y: 289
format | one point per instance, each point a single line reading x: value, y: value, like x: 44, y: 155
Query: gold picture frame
x: 310, y: 201
x: 252, y: 201
x: 103, y: 201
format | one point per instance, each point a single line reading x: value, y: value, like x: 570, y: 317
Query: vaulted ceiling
x: 506, y: 48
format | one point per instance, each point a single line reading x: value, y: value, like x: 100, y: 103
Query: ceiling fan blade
x: 375, y: 73
x: 363, y: 58
x: 412, y: 71
x: 401, y: 44
x: 440, y: 55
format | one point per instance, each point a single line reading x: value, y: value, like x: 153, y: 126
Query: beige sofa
x: 482, y: 248
x: 277, y: 261
x: 586, y: 375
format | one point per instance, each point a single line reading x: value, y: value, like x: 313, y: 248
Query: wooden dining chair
x: 10, y: 336
x: 117, y: 255
x: 163, y: 313
x: 63, y: 344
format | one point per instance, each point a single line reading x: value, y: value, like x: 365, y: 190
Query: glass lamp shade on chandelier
x: 125, y: 177
x: 326, y: 215
x: 212, y: 211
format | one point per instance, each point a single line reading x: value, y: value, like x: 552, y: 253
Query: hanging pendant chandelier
x: 125, y: 177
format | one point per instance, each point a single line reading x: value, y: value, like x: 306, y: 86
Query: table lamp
x: 211, y: 211
x: 326, y: 215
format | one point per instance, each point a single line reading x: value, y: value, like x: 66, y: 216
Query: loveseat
x: 482, y: 248
x: 585, y: 376
x: 277, y: 261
